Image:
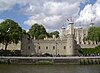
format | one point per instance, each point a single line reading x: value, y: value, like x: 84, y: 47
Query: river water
x: 4, y: 68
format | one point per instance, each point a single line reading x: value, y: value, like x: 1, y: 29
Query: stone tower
x: 27, y: 46
x: 62, y: 32
x: 70, y: 40
x: 70, y: 28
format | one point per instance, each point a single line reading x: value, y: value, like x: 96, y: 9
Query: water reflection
x: 49, y: 68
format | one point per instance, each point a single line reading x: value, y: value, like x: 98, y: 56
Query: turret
x: 71, y: 28
x: 70, y: 45
x: 91, y: 25
x: 62, y: 29
x: 70, y: 39
x: 27, y: 46
x: 62, y: 32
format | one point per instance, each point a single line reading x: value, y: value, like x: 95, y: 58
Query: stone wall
x: 12, y: 46
x: 88, y: 45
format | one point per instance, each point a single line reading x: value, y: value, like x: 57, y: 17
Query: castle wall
x: 52, y: 47
x: 12, y: 46
x: 88, y: 45
x: 27, y: 46
x: 70, y: 45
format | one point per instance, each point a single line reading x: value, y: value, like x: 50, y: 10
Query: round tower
x: 70, y: 45
x: 27, y: 46
x: 71, y: 28
x: 62, y: 32
x: 70, y: 40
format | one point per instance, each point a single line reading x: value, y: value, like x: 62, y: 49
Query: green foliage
x: 95, y: 50
x: 42, y: 36
x: 87, y: 51
x: 10, y: 31
x: 93, y: 34
x: 98, y: 49
x: 37, y: 31
x: 56, y: 33
x: 10, y: 53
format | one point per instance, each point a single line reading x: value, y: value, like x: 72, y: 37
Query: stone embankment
x: 50, y: 60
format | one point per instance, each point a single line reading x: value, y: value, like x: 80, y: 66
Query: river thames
x: 4, y: 68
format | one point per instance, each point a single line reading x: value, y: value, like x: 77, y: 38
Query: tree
x: 94, y: 34
x: 56, y: 33
x: 10, y: 32
x: 37, y: 31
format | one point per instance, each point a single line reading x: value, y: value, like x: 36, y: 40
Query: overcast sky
x: 50, y: 13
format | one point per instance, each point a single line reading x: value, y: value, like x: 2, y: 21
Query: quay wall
x: 82, y: 61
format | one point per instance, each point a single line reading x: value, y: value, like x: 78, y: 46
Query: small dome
x: 91, y: 24
x: 63, y: 27
x: 71, y: 22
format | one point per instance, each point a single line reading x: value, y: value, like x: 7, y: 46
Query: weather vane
x: 70, y: 20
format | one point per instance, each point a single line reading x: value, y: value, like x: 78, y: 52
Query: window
x: 39, y: 47
x: 64, y: 47
x: 96, y: 42
x: 46, y: 47
x: 53, y: 47
x: 84, y: 42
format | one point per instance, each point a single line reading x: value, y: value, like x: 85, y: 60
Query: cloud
x: 90, y: 13
x: 86, y: 15
x: 6, y: 5
x: 51, y: 13
x: 1, y: 20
